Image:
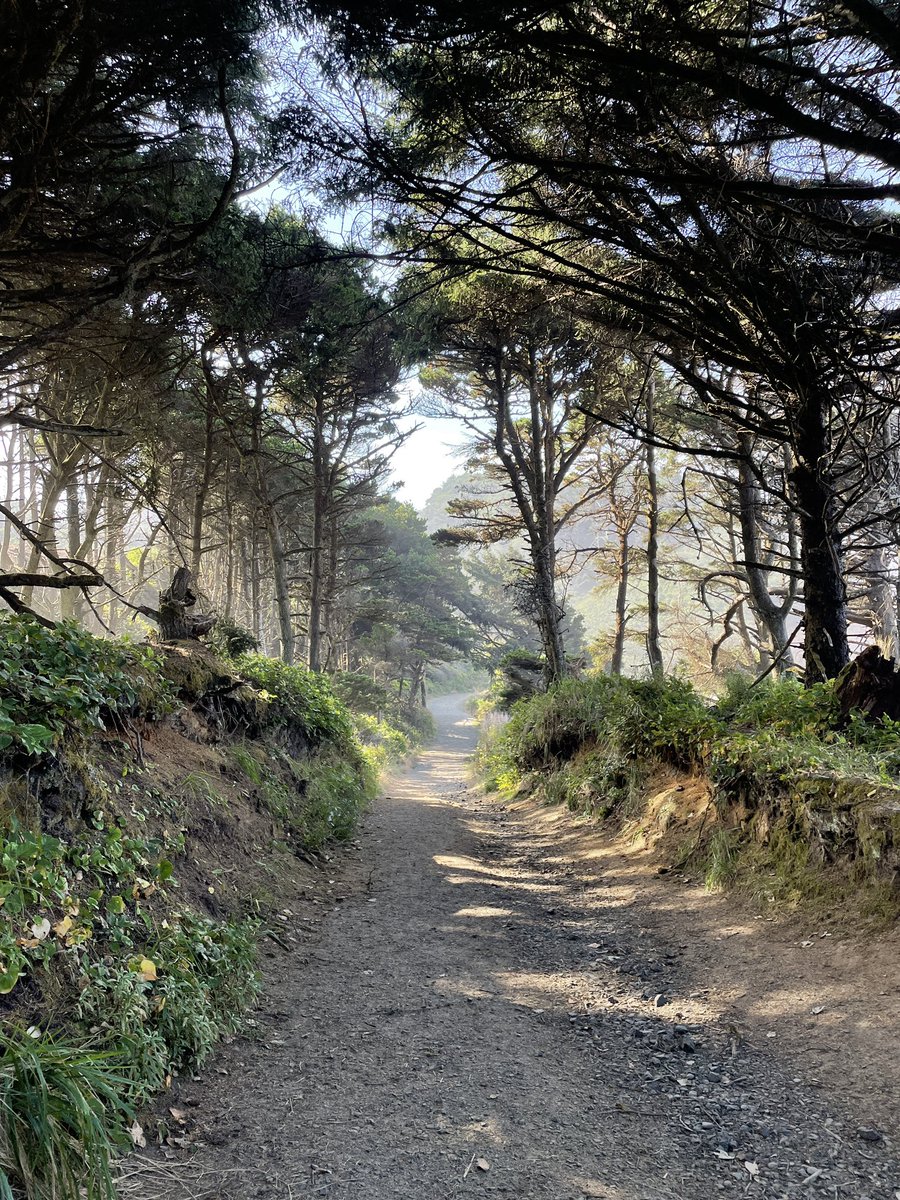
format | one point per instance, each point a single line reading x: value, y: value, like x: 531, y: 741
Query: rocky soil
x: 482, y: 1000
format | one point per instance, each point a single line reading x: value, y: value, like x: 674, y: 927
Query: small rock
x: 660, y: 1000
x: 870, y: 1135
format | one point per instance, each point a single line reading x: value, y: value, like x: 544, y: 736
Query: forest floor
x: 490, y: 998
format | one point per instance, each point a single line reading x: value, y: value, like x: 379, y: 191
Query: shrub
x: 382, y: 742
x: 782, y: 705
x: 56, y: 896
x: 362, y: 694
x: 230, y: 640
x: 335, y: 785
x: 207, y: 979
x: 65, y: 681
x: 299, y: 698
x: 366, y: 698
x: 670, y: 719
x: 324, y: 793
x: 634, y: 716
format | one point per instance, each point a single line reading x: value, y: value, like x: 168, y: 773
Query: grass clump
x: 721, y: 860
x: 337, y: 789
x: 62, y: 1118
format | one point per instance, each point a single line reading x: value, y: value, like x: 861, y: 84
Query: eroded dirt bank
x: 496, y: 1002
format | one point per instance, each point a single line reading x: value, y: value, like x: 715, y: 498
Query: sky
x: 427, y: 458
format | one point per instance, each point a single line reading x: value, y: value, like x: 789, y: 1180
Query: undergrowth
x: 388, y: 729
x: 780, y: 729
x: 789, y: 780
x: 137, y: 995
x: 298, y: 698
x: 109, y: 981
x: 63, y: 682
x: 62, y: 1118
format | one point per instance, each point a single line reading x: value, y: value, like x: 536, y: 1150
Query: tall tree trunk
x: 112, y: 556
x: 622, y: 564
x: 821, y: 552
x: 314, y: 625
x: 281, y: 591
x: 45, y: 525
x: 255, y: 589
x: 69, y: 599
x: 202, y: 491
x: 549, y: 614
x: 770, y: 615
x: 12, y: 447
x: 280, y: 585
x: 654, y: 640
x: 329, y: 598
x: 881, y: 601
x: 30, y: 493
x: 230, y: 551
x: 417, y: 684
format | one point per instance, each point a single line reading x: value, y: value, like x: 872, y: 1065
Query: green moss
x: 190, y: 670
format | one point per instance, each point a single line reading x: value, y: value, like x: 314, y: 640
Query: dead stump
x: 869, y: 685
x: 176, y: 623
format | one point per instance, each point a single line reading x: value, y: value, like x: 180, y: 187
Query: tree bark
x: 12, y: 448
x: 654, y: 641
x: 316, y: 558
x: 881, y: 601
x: 68, y: 600
x: 176, y: 623
x: 272, y: 524
x: 281, y: 585
x: 548, y: 612
x: 821, y: 553
x: 202, y: 491
x: 769, y: 614
x: 618, y: 653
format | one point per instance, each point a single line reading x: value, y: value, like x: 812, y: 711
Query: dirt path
x: 479, y: 1013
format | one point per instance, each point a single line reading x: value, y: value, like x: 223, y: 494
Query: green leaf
x: 35, y: 738
x: 10, y: 977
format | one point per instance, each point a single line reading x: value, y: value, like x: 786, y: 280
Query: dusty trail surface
x: 476, y: 1012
